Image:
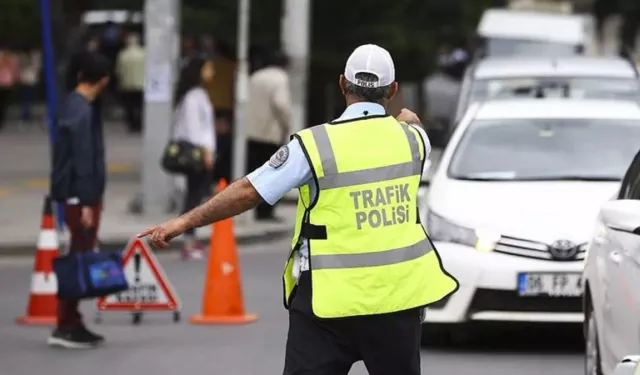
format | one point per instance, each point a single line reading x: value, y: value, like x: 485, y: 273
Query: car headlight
x: 442, y: 230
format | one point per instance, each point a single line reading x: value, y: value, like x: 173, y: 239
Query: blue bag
x: 89, y: 274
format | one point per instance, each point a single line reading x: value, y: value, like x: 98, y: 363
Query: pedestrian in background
x: 130, y: 68
x: 269, y: 116
x: 194, y: 123
x: 441, y: 91
x: 91, y: 46
x: 628, y: 33
x: 78, y: 178
x: 30, y: 67
x: 361, y: 269
x: 188, y: 51
x: 8, y: 77
x: 221, y: 92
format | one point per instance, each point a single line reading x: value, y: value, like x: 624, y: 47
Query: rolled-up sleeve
x: 277, y: 177
x: 425, y: 139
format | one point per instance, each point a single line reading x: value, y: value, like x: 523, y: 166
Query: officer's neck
x: 353, y: 100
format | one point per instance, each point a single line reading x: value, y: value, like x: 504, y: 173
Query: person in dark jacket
x: 91, y: 44
x: 78, y: 178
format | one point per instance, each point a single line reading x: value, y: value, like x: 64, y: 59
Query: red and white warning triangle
x: 149, y: 287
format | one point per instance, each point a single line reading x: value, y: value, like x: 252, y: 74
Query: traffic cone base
x: 43, y: 302
x: 231, y: 319
x: 37, y: 321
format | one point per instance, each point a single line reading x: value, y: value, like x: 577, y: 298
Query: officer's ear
x: 393, y: 90
x: 341, y: 83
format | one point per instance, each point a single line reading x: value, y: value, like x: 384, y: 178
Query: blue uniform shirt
x: 273, y: 183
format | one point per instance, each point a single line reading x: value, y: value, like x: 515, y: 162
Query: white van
x: 505, y: 32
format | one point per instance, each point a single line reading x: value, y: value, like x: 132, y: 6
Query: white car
x: 628, y: 366
x: 578, y: 77
x: 611, y: 280
x: 512, y: 203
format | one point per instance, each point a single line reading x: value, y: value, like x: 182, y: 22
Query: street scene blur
x: 119, y: 115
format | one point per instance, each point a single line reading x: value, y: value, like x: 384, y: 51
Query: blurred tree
x: 412, y: 30
x: 20, y: 20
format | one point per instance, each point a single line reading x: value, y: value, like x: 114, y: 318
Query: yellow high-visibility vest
x: 368, y: 251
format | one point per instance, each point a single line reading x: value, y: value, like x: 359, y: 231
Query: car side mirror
x: 622, y: 215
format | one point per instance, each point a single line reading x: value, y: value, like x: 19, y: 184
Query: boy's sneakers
x: 78, y: 337
x: 196, y: 252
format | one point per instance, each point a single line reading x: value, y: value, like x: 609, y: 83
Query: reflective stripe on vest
x: 378, y: 258
x: 332, y: 179
x: 362, y: 227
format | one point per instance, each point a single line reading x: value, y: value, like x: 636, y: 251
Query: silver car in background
x: 574, y: 77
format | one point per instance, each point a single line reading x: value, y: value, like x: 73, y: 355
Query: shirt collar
x: 362, y: 109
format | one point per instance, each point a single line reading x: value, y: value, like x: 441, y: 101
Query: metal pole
x: 51, y: 88
x: 241, y: 98
x: 160, y: 20
x: 241, y: 92
x: 295, y: 38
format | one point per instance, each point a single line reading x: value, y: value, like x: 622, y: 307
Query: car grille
x: 507, y: 300
x: 531, y: 249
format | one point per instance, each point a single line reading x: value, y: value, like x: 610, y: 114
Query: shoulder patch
x: 280, y: 157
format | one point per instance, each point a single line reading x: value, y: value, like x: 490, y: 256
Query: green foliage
x: 411, y: 29
x: 20, y: 20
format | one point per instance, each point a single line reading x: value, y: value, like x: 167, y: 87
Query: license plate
x: 555, y: 284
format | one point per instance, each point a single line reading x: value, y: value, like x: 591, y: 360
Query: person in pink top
x: 8, y: 78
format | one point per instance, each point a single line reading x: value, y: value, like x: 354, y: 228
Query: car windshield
x: 522, y: 47
x: 545, y: 149
x: 544, y: 87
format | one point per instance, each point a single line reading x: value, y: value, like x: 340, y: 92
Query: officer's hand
x: 409, y: 117
x: 160, y: 235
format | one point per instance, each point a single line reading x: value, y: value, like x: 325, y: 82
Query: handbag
x: 183, y: 157
x: 90, y: 274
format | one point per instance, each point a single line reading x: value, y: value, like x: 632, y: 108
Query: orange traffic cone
x: 43, y: 303
x: 222, y: 301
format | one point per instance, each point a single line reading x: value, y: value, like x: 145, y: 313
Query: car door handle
x: 615, y: 257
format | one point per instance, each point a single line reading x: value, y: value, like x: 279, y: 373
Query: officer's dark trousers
x: 387, y: 344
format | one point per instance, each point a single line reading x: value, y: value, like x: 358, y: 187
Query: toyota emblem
x: 563, y: 250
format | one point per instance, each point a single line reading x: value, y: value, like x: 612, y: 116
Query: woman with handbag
x: 194, y: 129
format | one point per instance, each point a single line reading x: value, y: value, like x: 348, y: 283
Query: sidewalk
x: 25, y: 154
x: 20, y: 217
x: 24, y: 170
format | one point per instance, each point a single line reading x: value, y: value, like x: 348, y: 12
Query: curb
x: 23, y: 249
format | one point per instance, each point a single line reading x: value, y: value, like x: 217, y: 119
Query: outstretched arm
x: 239, y: 197
x: 287, y: 169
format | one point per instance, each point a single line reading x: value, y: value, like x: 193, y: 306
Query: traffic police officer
x: 361, y: 268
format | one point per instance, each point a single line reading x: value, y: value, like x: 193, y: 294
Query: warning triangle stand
x: 149, y: 286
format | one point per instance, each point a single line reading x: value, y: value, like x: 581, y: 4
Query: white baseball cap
x: 372, y: 59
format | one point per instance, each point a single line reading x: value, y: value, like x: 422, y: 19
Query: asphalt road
x: 160, y: 347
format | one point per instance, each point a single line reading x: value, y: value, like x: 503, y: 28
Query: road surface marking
x: 43, y: 183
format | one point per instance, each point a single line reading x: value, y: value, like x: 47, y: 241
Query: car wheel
x: 592, y: 362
